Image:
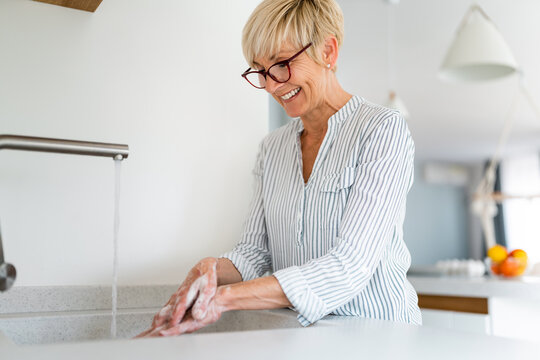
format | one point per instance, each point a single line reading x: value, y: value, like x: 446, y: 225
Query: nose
x: 272, y: 85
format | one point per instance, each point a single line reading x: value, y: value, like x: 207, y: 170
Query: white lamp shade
x: 395, y: 102
x: 478, y: 52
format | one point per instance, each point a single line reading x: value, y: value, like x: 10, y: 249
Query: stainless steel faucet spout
x: 30, y: 143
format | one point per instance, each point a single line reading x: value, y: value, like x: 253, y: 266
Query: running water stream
x: 117, y: 173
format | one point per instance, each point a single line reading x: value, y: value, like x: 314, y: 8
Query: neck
x: 316, y: 121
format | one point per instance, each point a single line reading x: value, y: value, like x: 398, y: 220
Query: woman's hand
x: 195, y: 294
x: 190, y: 324
x: 256, y: 294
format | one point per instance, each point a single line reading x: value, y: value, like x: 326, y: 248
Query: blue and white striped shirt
x: 335, y: 244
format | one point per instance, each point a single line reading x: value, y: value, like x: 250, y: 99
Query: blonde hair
x: 299, y: 22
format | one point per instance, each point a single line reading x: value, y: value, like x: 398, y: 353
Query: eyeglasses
x: 279, y: 72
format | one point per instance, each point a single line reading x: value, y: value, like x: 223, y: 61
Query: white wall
x: 161, y: 76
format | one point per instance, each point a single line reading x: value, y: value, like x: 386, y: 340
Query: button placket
x: 300, y: 220
x: 301, y: 201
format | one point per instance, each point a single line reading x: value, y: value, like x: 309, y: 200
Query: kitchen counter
x: 330, y: 338
x: 487, y: 287
x: 506, y: 307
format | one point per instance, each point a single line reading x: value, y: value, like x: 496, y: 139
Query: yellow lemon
x: 497, y: 253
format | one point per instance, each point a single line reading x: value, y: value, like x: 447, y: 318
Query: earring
x: 328, y: 66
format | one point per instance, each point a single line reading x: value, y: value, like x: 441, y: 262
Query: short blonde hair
x: 274, y: 22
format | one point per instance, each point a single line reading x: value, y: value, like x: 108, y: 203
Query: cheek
x: 308, y: 78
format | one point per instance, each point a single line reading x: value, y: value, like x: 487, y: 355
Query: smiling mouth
x: 290, y: 94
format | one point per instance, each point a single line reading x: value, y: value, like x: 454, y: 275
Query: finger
x: 184, y: 303
x: 200, y: 307
x: 168, y: 311
x: 143, y: 334
x: 207, y: 292
x: 165, y: 313
x: 184, y: 327
x: 152, y: 332
x: 156, y: 332
x: 162, y: 316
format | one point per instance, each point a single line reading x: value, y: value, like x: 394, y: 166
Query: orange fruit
x: 497, y: 253
x: 511, y: 267
x: 495, y: 268
x: 520, y: 256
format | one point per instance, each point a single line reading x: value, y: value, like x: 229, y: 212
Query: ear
x: 330, y: 51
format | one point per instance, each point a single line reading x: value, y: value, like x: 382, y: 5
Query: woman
x: 330, y: 191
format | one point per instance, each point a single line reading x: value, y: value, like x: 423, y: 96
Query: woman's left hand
x: 256, y: 294
x: 188, y: 323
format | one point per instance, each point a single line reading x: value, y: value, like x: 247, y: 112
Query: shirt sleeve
x: 251, y: 256
x: 383, y: 177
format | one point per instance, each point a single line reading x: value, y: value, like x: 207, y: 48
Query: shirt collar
x: 340, y: 116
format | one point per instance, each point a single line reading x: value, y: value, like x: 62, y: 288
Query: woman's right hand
x: 196, y: 292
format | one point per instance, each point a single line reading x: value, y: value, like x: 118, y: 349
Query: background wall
x: 436, y: 223
x: 161, y: 76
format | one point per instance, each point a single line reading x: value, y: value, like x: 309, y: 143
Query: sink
x: 38, y: 315
x: 55, y: 328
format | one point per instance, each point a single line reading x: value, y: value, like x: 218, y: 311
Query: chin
x: 293, y: 111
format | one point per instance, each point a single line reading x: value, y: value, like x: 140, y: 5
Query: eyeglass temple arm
x: 298, y: 53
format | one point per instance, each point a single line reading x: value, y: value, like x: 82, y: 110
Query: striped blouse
x: 335, y: 244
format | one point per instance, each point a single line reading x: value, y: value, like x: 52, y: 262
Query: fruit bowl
x: 502, y: 263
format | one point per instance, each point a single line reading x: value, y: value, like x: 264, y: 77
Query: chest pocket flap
x: 337, y: 181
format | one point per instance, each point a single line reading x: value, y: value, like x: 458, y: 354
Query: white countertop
x: 521, y: 287
x: 331, y: 338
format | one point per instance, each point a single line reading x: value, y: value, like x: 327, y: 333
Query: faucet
x: 8, y: 273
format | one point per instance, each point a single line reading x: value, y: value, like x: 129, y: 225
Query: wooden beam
x: 86, y: 5
x: 454, y: 303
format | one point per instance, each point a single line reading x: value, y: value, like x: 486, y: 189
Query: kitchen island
x: 507, y: 307
x: 331, y: 338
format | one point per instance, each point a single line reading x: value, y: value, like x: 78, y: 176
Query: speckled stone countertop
x: 45, y: 315
x: 40, y: 315
x: 34, y: 299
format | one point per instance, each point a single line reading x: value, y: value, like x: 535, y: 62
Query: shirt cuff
x: 244, y: 267
x: 309, y: 305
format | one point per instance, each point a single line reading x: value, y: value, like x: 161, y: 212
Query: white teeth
x: 290, y: 94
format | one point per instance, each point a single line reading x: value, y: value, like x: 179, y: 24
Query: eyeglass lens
x: 278, y: 72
